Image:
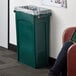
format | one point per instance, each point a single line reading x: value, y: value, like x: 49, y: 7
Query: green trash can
x: 32, y: 27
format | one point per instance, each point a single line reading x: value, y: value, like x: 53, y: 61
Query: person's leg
x: 64, y: 70
x: 61, y: 60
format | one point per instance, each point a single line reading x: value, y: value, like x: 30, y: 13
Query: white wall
x: 61, y: 19
x: 4, y: 23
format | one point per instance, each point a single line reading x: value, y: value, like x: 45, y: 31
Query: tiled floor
x: 9, y: 66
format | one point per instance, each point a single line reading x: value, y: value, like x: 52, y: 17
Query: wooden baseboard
x: 51, y: 61
x: 12, y: 47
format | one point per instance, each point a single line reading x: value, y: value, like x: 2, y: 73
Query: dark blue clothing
x: 60, y: 66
